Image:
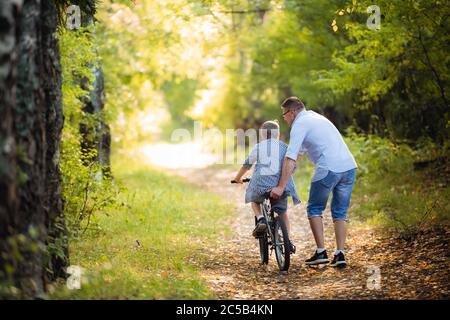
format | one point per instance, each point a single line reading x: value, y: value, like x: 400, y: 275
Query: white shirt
x: 318, y: 137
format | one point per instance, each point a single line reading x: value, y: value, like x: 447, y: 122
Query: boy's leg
x: 256, y: 209
x: 285, y: 218
x: 280, y: 207
x: 261, y: 223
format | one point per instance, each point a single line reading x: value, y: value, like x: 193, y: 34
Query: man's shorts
x: 278, y: 205
x: 341, y: 185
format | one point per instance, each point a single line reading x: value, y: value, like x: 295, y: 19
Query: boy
x: 267, y: 155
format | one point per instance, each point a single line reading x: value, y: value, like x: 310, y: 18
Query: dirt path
x: 408, y: 270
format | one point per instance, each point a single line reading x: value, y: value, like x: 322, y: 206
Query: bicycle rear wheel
x: 264, y: 249
x: 282, y: 245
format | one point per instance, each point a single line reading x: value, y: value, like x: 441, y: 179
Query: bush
x: 390, y: 190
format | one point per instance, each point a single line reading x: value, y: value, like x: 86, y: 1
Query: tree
x: 33, y: 237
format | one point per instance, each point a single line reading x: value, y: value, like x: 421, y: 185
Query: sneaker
x: 318, y: 258
x: 260, y: 228
x: 339, y: 260
x: 292, y: 246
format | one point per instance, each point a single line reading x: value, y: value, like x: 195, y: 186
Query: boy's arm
x: 247, y: 165
x: 241, y: 172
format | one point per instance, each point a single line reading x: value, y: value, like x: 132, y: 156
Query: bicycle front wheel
x: 282, y: 245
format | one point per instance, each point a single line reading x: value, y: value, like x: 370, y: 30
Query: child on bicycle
x: 267, y: 155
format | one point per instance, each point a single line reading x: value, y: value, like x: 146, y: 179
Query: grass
x: 146, y: 249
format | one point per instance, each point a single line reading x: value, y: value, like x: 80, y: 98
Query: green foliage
x: 391, y: 190
x: 86, y: 188
x: 399, y: 73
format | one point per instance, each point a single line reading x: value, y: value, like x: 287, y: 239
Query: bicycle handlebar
x: 243, y: 180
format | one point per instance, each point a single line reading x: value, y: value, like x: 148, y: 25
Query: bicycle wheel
x: 282, y: 245
x: 264, y: 249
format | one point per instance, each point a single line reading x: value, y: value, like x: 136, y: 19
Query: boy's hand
x: 237, y: 181
x: 276, y: 192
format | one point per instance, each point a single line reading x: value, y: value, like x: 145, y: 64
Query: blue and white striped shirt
x: 268, y: 156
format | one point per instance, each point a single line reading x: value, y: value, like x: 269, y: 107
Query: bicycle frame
x: 270, y: 218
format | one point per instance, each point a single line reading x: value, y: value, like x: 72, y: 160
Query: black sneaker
x: 292, y: 247
x: 318, y: 258
x: 260, y: 228
x: 339, y: 260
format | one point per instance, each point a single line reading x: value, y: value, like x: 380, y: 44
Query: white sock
x: 338, y: 251
x: 259, y: 217
x: 320, y: 250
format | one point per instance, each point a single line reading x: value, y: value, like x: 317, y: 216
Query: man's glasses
x: 284, y: 113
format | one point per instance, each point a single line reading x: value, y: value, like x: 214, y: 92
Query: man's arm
x: 286, y: 172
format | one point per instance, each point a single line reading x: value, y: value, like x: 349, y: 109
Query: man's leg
x: 317, y: 230
x: 339, y: 205
x: 317, y: 202
x: 340, y: 230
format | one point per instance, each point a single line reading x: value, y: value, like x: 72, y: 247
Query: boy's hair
x: 293, y: 103
x: 270, y: 130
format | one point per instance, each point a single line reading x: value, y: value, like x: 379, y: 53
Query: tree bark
x: 52, y: 86
x: 8, y: 165
x: 31, y: 211
x: 29, y: 125
x: 96, y: 138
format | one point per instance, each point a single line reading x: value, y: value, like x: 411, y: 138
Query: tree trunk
x: 98, y: 137
x: 8, y: 164
x: 52, y: 85
x: 31, y: 210
x: 30, y: 137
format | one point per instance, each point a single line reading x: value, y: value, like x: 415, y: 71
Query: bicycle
x: 276, y: 236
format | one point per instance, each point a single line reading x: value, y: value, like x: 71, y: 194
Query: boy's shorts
x: 278, y: 205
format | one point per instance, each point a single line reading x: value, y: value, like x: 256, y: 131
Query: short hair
x: 293, y: 103
x: 270, y: 129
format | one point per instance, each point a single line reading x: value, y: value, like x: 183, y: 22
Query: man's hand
x: 237, y: 181
x: 276, y: 192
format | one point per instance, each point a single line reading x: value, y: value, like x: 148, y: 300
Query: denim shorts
x: 341, y: 185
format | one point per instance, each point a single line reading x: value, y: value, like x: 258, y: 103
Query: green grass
x: 172, y: 221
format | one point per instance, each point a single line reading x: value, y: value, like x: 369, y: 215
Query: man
x: 335, y: 170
